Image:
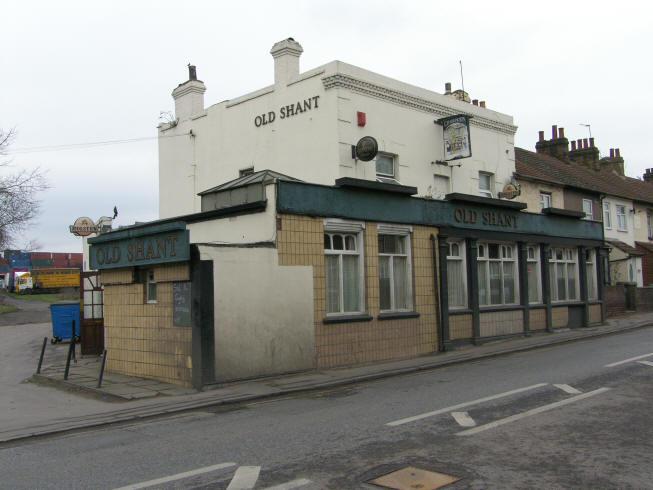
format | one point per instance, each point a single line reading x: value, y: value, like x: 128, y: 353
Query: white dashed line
x: 245, y: 478
x: 629, y: 360
x: 462, y: 405
x: 528, y: 413
x: 463, y: 419
x: 178, y: 476
x: 568, y: 389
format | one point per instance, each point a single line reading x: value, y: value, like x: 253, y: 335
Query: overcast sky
x: 75, y: 73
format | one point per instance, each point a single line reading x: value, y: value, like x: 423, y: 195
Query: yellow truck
x: 55, y: 278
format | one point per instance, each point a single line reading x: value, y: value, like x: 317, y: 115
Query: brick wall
x: 537, y: 319
x: 139, y: 337
x: 300, y: 241
x: 501, y: 323
x: 647, y: 265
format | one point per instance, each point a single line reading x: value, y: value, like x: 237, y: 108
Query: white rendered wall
x: 628, y: 236
x: 263, y: 313
x: 641, y: 227
x: 315, y: 145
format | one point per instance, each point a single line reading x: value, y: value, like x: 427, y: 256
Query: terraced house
x: 332, y: 218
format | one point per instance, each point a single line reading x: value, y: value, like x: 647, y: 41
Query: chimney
x: 189, y: 96
x: 286, y: 55
x: 447, y: 88
x: 648, y: 175
x: 557, y: 146
x: 482, y: 104
x: 475, y: 102
x: 613, y: 163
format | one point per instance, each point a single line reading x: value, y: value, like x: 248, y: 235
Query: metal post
x: 104, y: 358
x: 45, y: 342
x: 71, y: 349
x: 72, y: 342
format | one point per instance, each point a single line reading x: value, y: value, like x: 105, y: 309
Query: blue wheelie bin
x: 63, y: 314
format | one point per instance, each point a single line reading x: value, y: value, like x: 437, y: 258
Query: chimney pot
x: 573, y: 145
x: 192, y: 72
x: 617, y: 153
x: 561, y: 133
x: 580, y: 143
x: 447, y: 88
x: 541, y: 133
x: 475, y: 101
x: 554, y: 131
x: 482, y: 103
x: 584, y: 142
x: 592, y: 142
x: 611, y: 152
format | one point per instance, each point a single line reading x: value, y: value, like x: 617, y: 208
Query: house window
x: 587, y: 209
x: 150, y: 286
x: 621, y: 217
x: 649, y: 225
x: 457, y: 275
x: 385, y: 165
x: 590, y: 264
x: 497, y: 278
x: 395, y: 281
x: 545, y: 200
x: 563, y: 269
x: 344, y: 272
x: 533, y: 274
x: 607, y: 216
x: 485, y: 184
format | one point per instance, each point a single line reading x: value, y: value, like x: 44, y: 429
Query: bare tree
x: 18, y: 194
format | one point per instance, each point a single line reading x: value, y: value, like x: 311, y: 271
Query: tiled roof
x: 539, y: 166
x: 645, y: 245
x: 624, y: 247
x: 260, y: 177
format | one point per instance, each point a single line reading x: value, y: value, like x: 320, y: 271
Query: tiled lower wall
x: 595, y: 314
x: 460, y: 327
x: 139, y: 337
x: 537, y: 319
x: 560, y: 317
x: 501, y: 323
x: 300, y: 241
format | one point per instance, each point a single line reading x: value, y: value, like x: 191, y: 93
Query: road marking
x: 568, y: 389
x: 291, y: 484
x: 463, y: 419
x: 245, y: 478
x: 462, y: 405
x: 534, y: 411
x: 646, y: 363
x: 178, y: 476
x: 629, y: 360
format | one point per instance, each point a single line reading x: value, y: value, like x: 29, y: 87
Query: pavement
x: 34, y: 405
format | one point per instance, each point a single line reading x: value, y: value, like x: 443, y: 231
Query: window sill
x: 347, y: 318
x: 459, y: 311
x: 392, y: 315
x: 489, y: 308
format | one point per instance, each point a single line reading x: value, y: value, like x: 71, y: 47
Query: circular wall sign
x: 366, y: 148
x: 83, y: 227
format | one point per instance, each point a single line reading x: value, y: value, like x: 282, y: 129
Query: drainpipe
x: 436, y: 293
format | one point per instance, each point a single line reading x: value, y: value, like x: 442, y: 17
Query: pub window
x: 395, y: 281
x: 344, y: 273
x: 590, y: 263
x: 497, y: 278
x: 533, y: 274
x: 563, y: 272
x: 386, y: 168
x: 621, y: 217
x: 150, y: 286
x: 485, y: 184
x: 457, y: 275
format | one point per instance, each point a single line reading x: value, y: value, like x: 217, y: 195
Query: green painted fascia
x: 152, y: 229
x: 369, y: 205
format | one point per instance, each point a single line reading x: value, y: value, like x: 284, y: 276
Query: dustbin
x: 63, y: 314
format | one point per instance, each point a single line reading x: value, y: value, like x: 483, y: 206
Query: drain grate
x: 414, y: 478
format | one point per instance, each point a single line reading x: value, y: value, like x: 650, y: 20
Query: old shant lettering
x: 137, y: 250
x: 487, y: 218
x: 287, y: 111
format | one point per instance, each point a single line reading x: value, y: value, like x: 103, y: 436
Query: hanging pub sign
x: 366, y: 149
x: 84, y: 227
x: 456, y: 136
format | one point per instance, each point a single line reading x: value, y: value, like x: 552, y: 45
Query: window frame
x: 344, y: 228
x: 553, y: 262
x: 394, y: 165
x: 620, y: 215
x: 548, y: 197
x: 484, y: 192
x: 462, y: 257
x: 607, y: 215
x: 590, y: 215
x: 404, y: 236
x: 484, y: 260
x: 150, y: 286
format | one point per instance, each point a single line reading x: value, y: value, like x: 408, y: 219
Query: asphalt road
x: 29, y: 311
x: 560, y: 417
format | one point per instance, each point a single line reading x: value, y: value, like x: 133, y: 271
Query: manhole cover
x: 414, y: 478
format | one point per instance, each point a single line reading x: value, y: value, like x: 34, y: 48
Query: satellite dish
x: 366, y: 148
